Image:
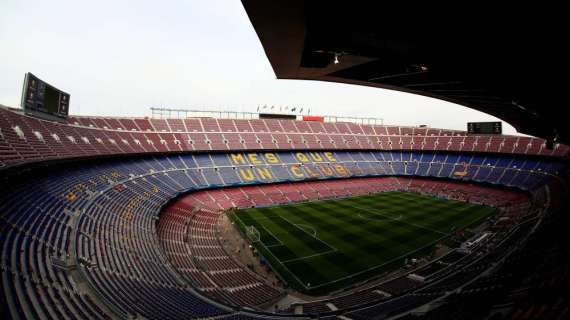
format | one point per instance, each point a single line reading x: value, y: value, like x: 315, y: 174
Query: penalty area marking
x: 274, y: 236
x: 300, y: 225
x: 266, y: 230
x: 305, y: 231
x: 333, y: 249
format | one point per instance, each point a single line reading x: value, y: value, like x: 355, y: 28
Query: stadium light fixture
x: 336, y: 56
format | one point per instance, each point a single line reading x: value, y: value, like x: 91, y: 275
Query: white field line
x: 309, y: 226
x: 309, y: 256
x: 350, y: 275
x: 274, y: 236
x: 356, y: 273
x: 332, y: 249
x: 285, y: 267
x: 383, y: 264
x: 305, y: 231
x: 380, y: 265
x: 279, y: 261
x: 271, y: 233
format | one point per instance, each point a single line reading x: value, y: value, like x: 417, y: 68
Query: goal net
x: 253, y: 234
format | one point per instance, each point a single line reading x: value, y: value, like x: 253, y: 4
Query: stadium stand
x: 24, y: 139
x: 102, y: 238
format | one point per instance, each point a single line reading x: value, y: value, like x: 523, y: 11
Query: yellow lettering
x: 237, y: 158
x: 254, y: 159
x: 326, y: 170
x: 340, y: 169
x: 330, y: 156
x: 311, y: 172
x: 271, y: 158
x: 301, y: 157
x: 297, y: 172
x: 246, y: 174
x: 316, y: 156
x: 264, y: 173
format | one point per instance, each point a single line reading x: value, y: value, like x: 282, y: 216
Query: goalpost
x: 253, y: 234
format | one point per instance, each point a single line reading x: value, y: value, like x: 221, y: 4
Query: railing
x: 169, y: 113
x: 357, y: 120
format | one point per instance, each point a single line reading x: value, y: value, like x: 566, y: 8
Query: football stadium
x: 277, y: 214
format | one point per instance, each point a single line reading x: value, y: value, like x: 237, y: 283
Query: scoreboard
x: 485, y: 127
x: 43, y: 100
x: 277, y: 116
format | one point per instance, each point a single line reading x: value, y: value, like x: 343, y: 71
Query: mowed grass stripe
x: 429, y: 212
x: 435, y: 213
x: 297, y: 244
x: 332, y: 266
x: 388, y: 225
x: 394, y: 238
x: 381, y: 229
x: 348, y: 228
x: 424, y: 216
x: 386, y: 237
x: 379, y: 242
x: 333, y: 269
x: 347, y: 232
x: 356, y: 237
x: 396, y: 216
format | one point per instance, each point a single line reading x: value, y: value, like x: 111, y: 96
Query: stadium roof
x: 507, y: 63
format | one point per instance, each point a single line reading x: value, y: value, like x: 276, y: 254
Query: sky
x: 119, y: 58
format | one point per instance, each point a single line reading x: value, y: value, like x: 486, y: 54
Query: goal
x: 253, y: 234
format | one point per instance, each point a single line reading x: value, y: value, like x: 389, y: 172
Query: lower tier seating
x: 81, y: 240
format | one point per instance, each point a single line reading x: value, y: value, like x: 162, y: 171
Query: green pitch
x: 326, y: 245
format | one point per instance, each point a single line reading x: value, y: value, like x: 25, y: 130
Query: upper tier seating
x: 25, y: 139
